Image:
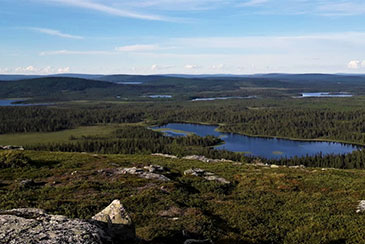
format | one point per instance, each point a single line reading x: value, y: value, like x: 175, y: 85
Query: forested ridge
x: 301, y: 123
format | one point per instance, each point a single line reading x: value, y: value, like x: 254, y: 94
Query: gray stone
x: 117, y: 222
x: 35, y: 226
x: 26, y: 183
x: 147, y: 174
x: 193, y: 241
x: 206, y: 175
x: 361, y: 207
x: 31, y: 226
x: 164, y: 155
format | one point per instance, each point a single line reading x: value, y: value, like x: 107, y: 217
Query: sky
x: 182, y: 36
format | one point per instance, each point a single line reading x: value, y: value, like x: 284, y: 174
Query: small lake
x: 129, y: 83
x: 257, y: 146
x: 13, y: 103
x: 160, y: 96
x: 326, y: 94
x: 219, y: 98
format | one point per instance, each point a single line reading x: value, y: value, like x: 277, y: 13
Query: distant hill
x: 50, y: 86
x: 94, y: 87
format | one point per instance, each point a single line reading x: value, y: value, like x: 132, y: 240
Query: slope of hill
x: 259, y: 204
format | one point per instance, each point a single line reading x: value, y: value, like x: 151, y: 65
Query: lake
x: 257, y: 146
x: 219, y: 98
x: 326, y: 94
x: 12, y: 103
x: 160, y: 96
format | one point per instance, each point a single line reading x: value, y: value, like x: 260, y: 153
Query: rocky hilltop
x: 31, y: 226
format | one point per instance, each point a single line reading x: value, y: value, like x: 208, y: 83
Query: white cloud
x: 69, y: 52
x: 30, y: 69
x: 54, y: 33
x: 363, y: 64
x: 192, y: 66
x: 253, y: 3
x: 354, y: 64
x: 343, y: 8
x: 63, y: 70
x: 88, y: 4
x: 36, y: 70
x: 218, y: 67
x: 137, y: 48
x: 156, y: 67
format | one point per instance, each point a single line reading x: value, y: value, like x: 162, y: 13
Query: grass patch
x: 22, y: 139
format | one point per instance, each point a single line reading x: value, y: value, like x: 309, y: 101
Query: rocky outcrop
x: 116, y: 222
x: 193, y: 241
x: 361, y: 207
x: 207, y: 160
x: 10, y: 147
x: 206, y: 175
x: 152, y: 172
x: 31, y: 226
x: 164, y: 155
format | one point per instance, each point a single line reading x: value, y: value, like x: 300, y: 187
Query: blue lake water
x: 219, y: 98
x: 130, y: 83
x: 326, y: 94
x: 160, y: 96
x: 261, y: 147
x: 12, y: 103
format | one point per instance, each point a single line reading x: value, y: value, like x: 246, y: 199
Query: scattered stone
x: 205, y: 159
x: 274, y: 166
x: 193, y: 241
x: 361, y: 207
x: 206, y: 175
x: 163, y: 155
x: 26, y: 183
x: 171, y: 212
x: 74, y: 173
x: 141, y: 172
x: 155, y: 169
x: 10, y: 147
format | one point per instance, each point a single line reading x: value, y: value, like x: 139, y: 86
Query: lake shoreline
x: 262, y: 146
x: 266, y: 136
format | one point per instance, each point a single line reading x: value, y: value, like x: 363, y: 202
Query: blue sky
x: 182, y: 36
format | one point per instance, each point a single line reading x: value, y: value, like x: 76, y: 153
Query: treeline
x: 42, y: 119
x: 296, y: 122
x: 354, y: 160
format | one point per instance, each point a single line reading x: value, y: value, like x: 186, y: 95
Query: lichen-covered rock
x: 117, y: 222
x: 35, y: 226
x: 26, y: 183
x: 361, y: 207
x: 163, y: 155
x: 192, y: 241
x: 31, y: 226
x: 207, y: 160
x: 151, y: 174
x: 206, y: 175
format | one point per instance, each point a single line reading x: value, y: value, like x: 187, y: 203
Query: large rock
x: 117, y: 222
x: 35, y: 226
x: 28, y: 226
